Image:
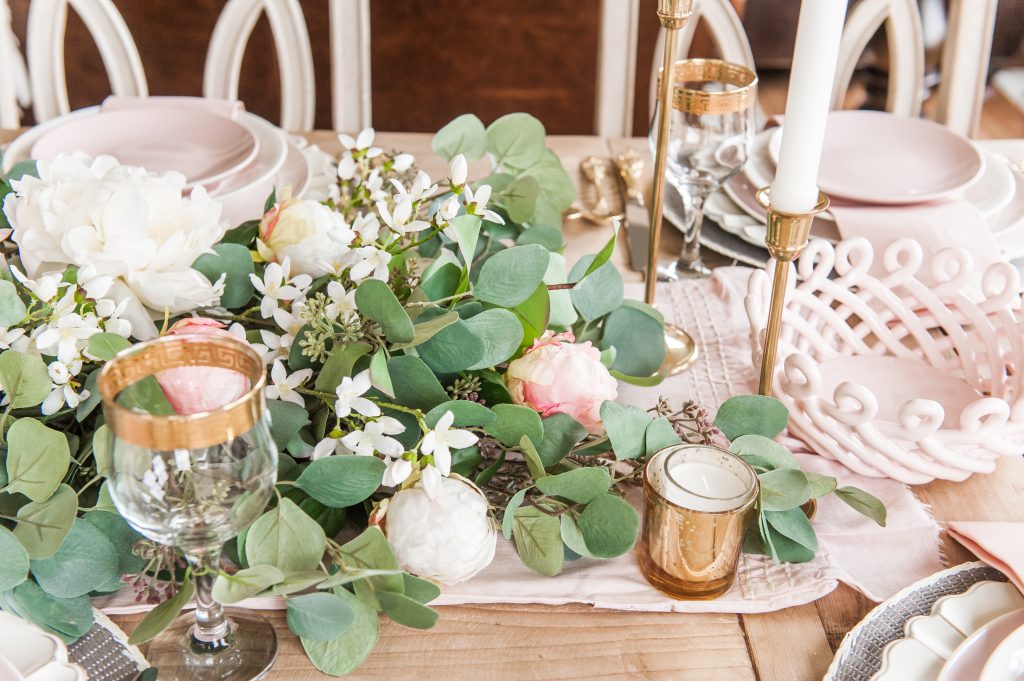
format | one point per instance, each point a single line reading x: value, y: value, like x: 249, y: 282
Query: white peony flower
x: 447, y: 538
x: 374, y: 438
x: 442, y: 438
x: 128, y: 224
x: 350, y: 399
x: 307, y: 232
x: 284, y: 385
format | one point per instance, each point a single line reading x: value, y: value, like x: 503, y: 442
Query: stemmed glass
x: 193, y: 481
x: 711, y: 129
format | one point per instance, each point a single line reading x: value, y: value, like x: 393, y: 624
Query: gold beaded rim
x: 740, y: 98
x: 189, y: 431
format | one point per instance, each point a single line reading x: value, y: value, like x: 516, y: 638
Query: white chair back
x: 965, y: 61
x: 47, y: 22
x: 350, y: 64
x: 14, y: 87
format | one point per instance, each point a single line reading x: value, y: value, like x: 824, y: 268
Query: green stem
x: 414, y: 244
x: 440, y: 300
x: 89, y: 484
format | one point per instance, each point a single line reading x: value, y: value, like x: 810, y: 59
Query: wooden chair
x: 965, y: 61
x: 350, y: 61
x: 15, y: 92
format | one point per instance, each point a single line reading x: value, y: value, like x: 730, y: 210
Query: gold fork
x: 595, y: 171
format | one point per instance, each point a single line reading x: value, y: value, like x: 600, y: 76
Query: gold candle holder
x: 698, y: 500
x: 680, y: 349
x: 786, y: 240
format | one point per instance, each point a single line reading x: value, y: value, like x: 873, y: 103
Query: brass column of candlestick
x: 680, y: 350
x: 786, y: 240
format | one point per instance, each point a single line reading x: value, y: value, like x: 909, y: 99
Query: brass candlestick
x: 786, y: 240
x: 680, y: 350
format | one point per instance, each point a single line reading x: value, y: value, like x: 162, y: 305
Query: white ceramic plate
x: 33, y: 654
x: 968, y: 660
x: 1006, y: 663
x: 877, y: 157
x: 995, y: 189
x: 204, y: 146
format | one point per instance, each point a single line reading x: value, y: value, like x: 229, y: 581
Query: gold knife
x: 630, y: 165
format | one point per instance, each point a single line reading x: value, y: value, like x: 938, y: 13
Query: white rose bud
x: 448, y: 538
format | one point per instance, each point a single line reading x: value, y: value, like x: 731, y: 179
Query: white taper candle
x: 795, y: 189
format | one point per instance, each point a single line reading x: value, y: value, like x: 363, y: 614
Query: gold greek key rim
x: 183, y: 431
x: 741, y: 97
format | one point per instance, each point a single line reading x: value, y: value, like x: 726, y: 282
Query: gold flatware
x: 630, y: 167
x: 595, y: 171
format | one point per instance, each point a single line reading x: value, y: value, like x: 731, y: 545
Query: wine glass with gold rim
x: 193, y: 481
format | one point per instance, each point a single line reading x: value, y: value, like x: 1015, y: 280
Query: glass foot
x: 683, y: 269
x: 680, y: 350
x: 250, y: 650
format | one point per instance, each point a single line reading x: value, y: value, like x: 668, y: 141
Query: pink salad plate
x: 880, y: 158
x: 202, y: 145
x: 968, y: 660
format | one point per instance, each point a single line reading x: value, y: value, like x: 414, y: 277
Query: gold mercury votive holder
x: 698, y: 500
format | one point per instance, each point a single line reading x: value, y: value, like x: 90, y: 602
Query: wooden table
x: 509, y: 643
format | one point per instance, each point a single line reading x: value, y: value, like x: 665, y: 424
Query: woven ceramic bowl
x: 909, y: 367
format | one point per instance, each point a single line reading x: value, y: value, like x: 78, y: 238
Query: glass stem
x: 211, y: 632
x: 693, y: 202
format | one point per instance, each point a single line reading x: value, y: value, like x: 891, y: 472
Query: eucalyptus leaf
x: 286, y: 420
x: 71, y: 617
x: 579, y: 485
x: 513, y: 422
x: 486, y: 474
x: 162, y: 615
x: 424, y: 331
x: 638, y: 336
x: 376, y: 300
x: 508, y: 277
x: 658, y: 435
x: 420, y: 590
x: 794, y: 525
x: 416, y: 386
x: 85, y: 560
x: 406, y: 611
x: 561, y: 433
x: 319, y: 616
x: 299, y: 581
x: 103, y: 451
x: 751, y: 415
x: 234, y: 263
x: 609, y: 526
x: 520, y: 198
x: 342, y: 480
x: 454, y: 348
x: 764, y: 449
x: 820, y: 484
x: 442, y: 281
x: 626, y: 426
x: 37, y: 459
x: 23, y: 378
x: 14, y: 566
x: 571, y: 535
x: 287, y: 538
x: 598, y: 293
x: 349, y: 575
x: 783, y: 489
x: 465, y: 414
x: 12, y: 309
x: 467, y: 232
x: 563, y: 314
x: 42, y: 525
x: 539, y: 540
x: 464, y: 135
x: 245, y: 583
x: 344, y: 654
x: 501, y: 334
x: 121, y: 536
x: 510, y: 511
x: 371, y: 550
x: 339, y: 364
x: 533, y: 462
x: 863, y: 503
x: 516, y: 140
x: 533, y: 314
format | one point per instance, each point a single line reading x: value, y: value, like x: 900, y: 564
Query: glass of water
x: 193, y: 481
x: 710, y: 132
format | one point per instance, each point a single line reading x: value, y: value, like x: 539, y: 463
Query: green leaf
x: 508, y: 277
x: 501, y: 334
x: 162, y: 615
x: 466, y: 461
x: 37, y: 459
x: 520, y: 198
x: 516, y: 140
x: 533, y: 314
x: 376, y: 300
x: 466, y: 414
x: 820, y: 484
x: 12, y: 309
x: 420, y: 590
x: 557, y: 188
x: 794, y: 525
x: 103, y: 451
x: 319, y: 616
x: 783, y: 489
x: 561, y: 433
x: 638, y: 336
x: 286, y: 420
x: 407, y: 611
x: 339, y: 364
x: 454, y: 348
x: 533, y: 461
x: 467, y: 233
x: 489, y: 472
x: 349, y: 575
x: 580, y: 485
x: 244, y: 234
x: 71, y: 617
x: 105, y: 346
x: 609, y: 526
x: 24, y: 378
x: 146, y: 395
x: 626, y: 426
x: 659, y: 435
x: 547, y: 236
x: 371, y: 550
x: 510, y: 511
x: 603, y: 255
x: 85, y: 561
x: 287, y: 538
x: 345, y: 653
x: 599, y: 293
x: 424, y: 331
x: 122, y: 537
x: 14, y: 566
x: 563, y: 314
x: 464, y: 135
x: 751, y: 415
x: 331, y: 519
x: 863, y: 503
x: 21, y: 169
x: 513, y: 422
x: 245, y: 583
x: 538, y: 540
x: 89, y: 404
x: 234, y: 263
x: 344, y: 480
x: 572, y: 536
x: 297, y: 582
x: 416, y: 386
x: 441, y: 282
x: 764, y: 450
x: 642, y: 381
x: 42, y: 525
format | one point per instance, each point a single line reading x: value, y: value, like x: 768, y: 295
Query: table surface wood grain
x: 534, y: 642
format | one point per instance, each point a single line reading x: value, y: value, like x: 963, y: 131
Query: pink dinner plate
x: 204, y: 146
x: 878, y: 157
x: 968, y: 660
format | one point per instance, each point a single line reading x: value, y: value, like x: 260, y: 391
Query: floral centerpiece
x: 438, y: 373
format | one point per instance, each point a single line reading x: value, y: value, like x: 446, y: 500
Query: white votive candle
x: 815, y: 56
x: 704, y: 487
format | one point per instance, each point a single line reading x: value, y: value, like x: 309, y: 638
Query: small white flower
x: 324, y: 448
x: 448, y: 211
x: 420, y: 189
x: 10, y: 336
x: 430, y: 480
x: 58, y: 372
x: 476, y: 204
x: 397, y: 472
x: 94, y: 284
x: 68, y: 337
x: 272, y: 346
x: 374, y: 185
x: 400, y: 221
x: 343, y: 303
x: 457, y: 176
x: 442, y: 439
x: 370, y: 261
x: 403, y: 162
x: 276, y: 286
x: 284, y: 385
x: 61, y: 395
x: 367, y: 226
x: 45, y: 288
x: 362, y: 143
x: 374, y: 438
x: 346, y: 167
x: 350, y: 399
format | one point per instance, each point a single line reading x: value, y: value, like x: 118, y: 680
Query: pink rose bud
x: 196, y: 389
x: 559, y: 376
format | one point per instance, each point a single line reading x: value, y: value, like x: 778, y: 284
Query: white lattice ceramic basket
x: 910, y: 368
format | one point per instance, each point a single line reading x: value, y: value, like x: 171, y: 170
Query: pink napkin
x: 933, y: 225
x: 229, y: 108
x: 998, y: 544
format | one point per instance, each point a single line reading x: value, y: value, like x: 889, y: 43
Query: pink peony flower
x: 195, y: 389
x: 559, y: 376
